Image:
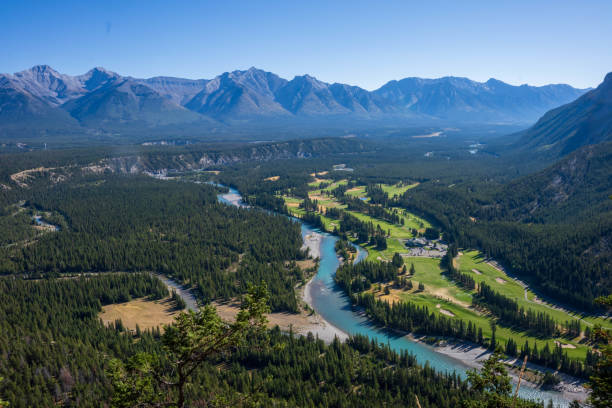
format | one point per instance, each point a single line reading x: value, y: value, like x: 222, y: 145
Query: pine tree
x: 493, y: 343
x: 493, y: 381
x: 189, y: 342
x: 397, y: 260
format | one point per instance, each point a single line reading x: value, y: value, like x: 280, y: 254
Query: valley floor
x: 442, y: 294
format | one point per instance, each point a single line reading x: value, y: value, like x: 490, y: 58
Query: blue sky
x: 355, y: 42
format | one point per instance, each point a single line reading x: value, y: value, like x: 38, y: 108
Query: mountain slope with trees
x: 585, y: 121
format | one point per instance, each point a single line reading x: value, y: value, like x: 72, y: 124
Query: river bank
x: 320, y: 327
x: 316, y: 323
x: 312, y: 241
x: 338, y: 317
x: 473, y: 356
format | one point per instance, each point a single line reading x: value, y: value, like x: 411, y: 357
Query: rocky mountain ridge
x: 42, y: 98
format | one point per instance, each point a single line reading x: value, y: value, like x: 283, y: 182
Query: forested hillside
x: 552, y: 228
x: 585, y: 121
x: 163, y: 159
x: 53, y: 346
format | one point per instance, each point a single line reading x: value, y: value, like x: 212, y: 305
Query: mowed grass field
x: 397, y: 232
x: 500, y: 282
x: 147, y: 314
x: 439, y: 290
x: 442, y: 295
x: 397, y: 189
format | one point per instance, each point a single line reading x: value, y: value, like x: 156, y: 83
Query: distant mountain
x: 308, y: 96
x: 21, y: 111
x: 124, y: 101
x: 45, y: 83
x: 96, y: 78
x: 585, y: 121
x: 355, y: 99
x: 178, y: 90
x: 240, y: 94
x: 101, y: 99
x: 461, y: 99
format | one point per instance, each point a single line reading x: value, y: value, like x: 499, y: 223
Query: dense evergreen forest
x: 130, y: 223
x: 55, y: 351
x: 52, y: 344
x: 562, y: 260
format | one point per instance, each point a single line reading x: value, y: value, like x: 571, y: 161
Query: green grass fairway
x: 335, y: 184
x: 471, y: 260
x: 397, y: 189
x: 439, y: 290
x: 357, y: 191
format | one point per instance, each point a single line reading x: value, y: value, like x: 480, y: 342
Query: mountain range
x: 585, y: 121
x: 41, y: 99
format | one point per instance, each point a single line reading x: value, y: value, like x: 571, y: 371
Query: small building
x: 416, y: 242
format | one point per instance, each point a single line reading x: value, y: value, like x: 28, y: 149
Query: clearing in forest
x: 145, y: 313
x: 397, y: 189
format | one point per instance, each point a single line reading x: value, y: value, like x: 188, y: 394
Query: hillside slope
x: 585, y: 121
x: 126, y: 101
x: 577, y: 187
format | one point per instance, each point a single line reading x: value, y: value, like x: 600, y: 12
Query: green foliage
x: 508, y: 311
x: 397, y: 260
x: 193, y: 338
x: 432, y: 233
x: 493, y: 382
x: 2, y: 402
x: 53, y: 345
x: 493, y: 377
x: 178, y: 301
x: 601, y: 380
x: 605, y: 301
x: 550, y: 379
x: 175, y: 228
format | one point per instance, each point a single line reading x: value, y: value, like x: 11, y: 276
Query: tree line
x: 409, y: 317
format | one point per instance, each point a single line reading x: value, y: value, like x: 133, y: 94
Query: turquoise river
x: 332, y: 305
